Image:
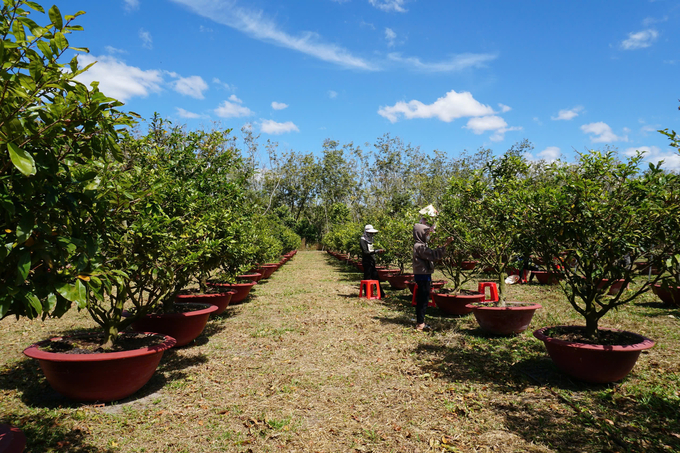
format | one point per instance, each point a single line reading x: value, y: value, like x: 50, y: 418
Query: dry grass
x: 304, y: 365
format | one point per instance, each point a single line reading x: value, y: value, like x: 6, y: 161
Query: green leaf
x: 51, y: 302
x: 34, y: 302
x: 60, y: 40
x: 35, y: 6
x: 74, y: 293
x: 21, y: 159
x: 55, y: 17
x: 18, y: 31
x: 23, y: 266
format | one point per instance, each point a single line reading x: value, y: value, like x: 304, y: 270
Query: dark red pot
x: 467, y: 265
x: 104, y: 377
x: 435, y: 284
x: 12, y: 440
x: 669, y: 295
x: 268, y: 269
x: 513, y: 318
x: 242, y: 290
x: 398, y: 281
x: 546, y: 277
x: 221, y: 300
x: 184, y: 327
x: 456, y: 304
x: 253, y: 277
x: 384, y: 273
x: 615, y: 288
x: 593, y: 363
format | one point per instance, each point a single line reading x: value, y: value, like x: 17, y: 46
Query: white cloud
x: 550, y: 154
x: 186, y: 114
x: 145, y: 36
x: 204, y: 29
x: 456, y: 63
x: 131, y: 5
x: 193, y: 86
x: 232, y: 108
x: 640, y: 40
x: 567, y: 114
x: 654, y: 154
x: 217, y: 81
x: 448, y: 108
x: 390, y: 36
x: 279, y: 105
x: 651, y: 21
x: 601, y: 133
x: 389, y: 5
x: 256, y: 25
x: 482, y: 124
x: 118, y: 80
x: 494, y: 123
x: 332, y: 94
x: 274, y: 128
x: 113, y: 50
x: 504, y: 108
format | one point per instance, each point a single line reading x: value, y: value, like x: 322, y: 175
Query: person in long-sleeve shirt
x: 367, y: 259
x: 423, y: 267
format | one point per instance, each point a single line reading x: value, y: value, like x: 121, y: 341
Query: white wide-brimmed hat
x: 370, y: 229
x: 429, y: 210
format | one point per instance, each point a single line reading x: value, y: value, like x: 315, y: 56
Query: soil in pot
x: 242, y: 290
x: 455, y: 304
x: 81, y: 371
x: 185, y: 324
x: 220, y: 300
x: 398, y: 281
x: 384, y: 274
x: 546, y: 277
x: 512, y: 318
x: 609, y: 359
x: 251, y: 277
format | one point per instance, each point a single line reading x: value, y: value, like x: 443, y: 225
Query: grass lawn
x: 304, y: 365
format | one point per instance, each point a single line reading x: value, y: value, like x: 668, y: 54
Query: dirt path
x: 307, y: 366
x: 304, y: 365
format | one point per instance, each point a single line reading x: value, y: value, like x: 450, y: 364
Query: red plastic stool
x: 366, y: 288
x: 493, y: 296
x: 413, y: 300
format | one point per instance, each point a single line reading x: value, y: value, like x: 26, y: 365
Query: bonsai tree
x: 484, y: 212
x: 600, y: 216
x: 396, y: 238
x: 53, y: 132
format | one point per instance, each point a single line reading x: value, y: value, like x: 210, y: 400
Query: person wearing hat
x: 367, y: 252
x: 423, y: 267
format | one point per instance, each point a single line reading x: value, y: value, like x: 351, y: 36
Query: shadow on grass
x: 48, y: 433
x: 566, y: 414
x: 27, y: 377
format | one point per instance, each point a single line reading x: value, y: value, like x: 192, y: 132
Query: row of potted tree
x: 597, y: 226
x: 109, y: 220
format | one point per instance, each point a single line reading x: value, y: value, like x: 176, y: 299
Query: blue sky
x: 567, y: 75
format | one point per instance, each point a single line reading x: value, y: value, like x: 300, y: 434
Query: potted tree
x: 56, y: 132
x: 485, y: 211
x: 600, y: 216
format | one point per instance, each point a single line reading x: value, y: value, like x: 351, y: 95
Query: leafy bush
x: 53, y: 130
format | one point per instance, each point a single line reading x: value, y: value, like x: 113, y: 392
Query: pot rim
x: 645, y: 343
x: 35, y: 352
x: 230, y: 285
x: 462, y: 296
x: 488, y: 306
x: 205, y: 296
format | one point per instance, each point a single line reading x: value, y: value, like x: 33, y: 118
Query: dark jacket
x: 423, y: 256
